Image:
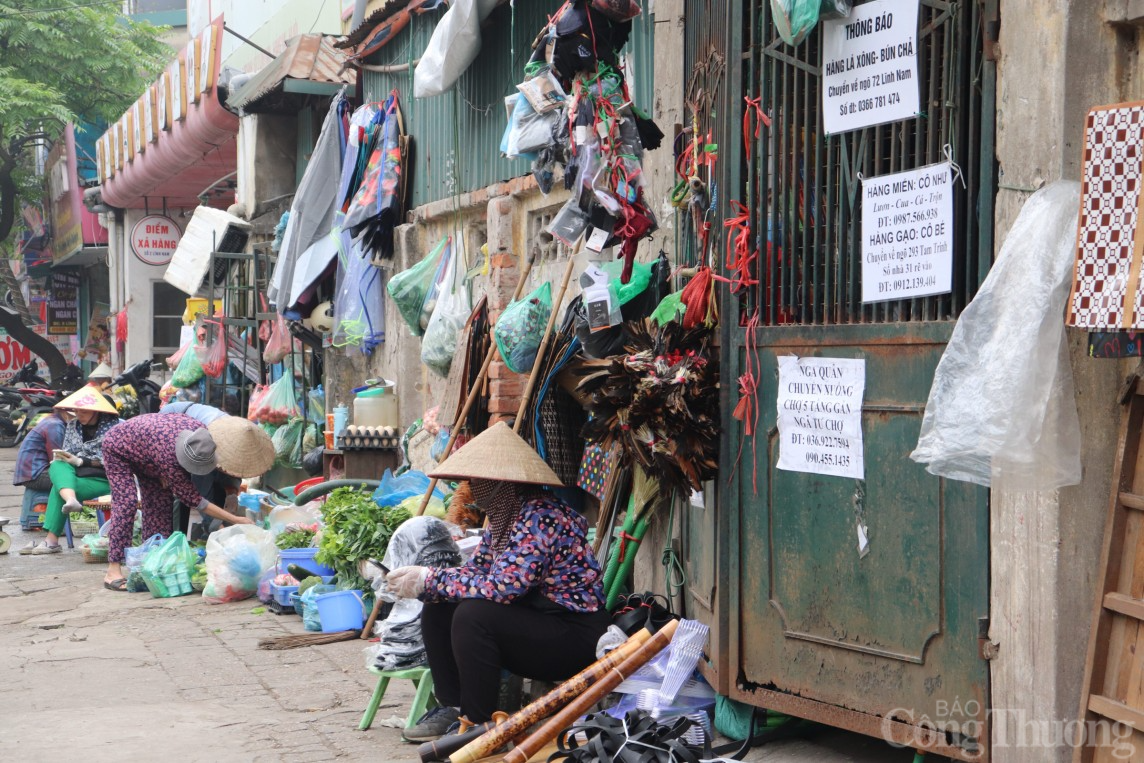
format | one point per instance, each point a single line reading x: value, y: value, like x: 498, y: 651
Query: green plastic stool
x: 422, y: 680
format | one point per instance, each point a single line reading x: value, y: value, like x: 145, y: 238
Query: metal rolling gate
x: 889, y: 644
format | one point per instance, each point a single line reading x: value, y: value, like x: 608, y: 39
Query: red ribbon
x: 623, y: 544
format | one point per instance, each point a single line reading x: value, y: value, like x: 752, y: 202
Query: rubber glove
x: 407, y: 582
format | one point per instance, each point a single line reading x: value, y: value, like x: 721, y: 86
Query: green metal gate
x: 886, y: 644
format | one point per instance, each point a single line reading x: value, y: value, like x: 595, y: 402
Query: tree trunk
x: 38, y: 345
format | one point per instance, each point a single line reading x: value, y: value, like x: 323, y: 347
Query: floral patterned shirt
x: 548, y: 551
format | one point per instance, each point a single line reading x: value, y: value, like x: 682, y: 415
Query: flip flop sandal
x: 119, y: 584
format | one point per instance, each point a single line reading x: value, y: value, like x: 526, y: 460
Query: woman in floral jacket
x: 530, y: 600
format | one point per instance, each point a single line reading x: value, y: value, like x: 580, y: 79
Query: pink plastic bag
x: 280, y: 342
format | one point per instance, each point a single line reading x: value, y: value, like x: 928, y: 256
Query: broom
x: 297, y: 640
x: 643, y: 501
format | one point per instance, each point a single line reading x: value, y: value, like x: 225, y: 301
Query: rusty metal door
x: 886, y: 644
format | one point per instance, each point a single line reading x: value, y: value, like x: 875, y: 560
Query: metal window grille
x: 803, y: 186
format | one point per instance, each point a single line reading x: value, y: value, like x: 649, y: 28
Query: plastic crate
x: 283, y: 593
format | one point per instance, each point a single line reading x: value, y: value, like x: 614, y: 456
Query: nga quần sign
x: 154, y: 239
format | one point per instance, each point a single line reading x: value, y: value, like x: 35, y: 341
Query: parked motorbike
x: 21, y: 409
x: 143, y: 396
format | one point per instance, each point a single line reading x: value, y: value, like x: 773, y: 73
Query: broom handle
x: 367, y: 629
x: 474, y: 391
x: 536, y: 364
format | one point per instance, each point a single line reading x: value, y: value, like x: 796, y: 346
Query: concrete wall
x: 1058, y: 59
x: 267, y: 157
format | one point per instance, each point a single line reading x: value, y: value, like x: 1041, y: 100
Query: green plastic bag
x: 169, y: 568
x: 669, y: 308
x: 520, y: 329
x: 794, y: 19
x: 636, y: 285
x: 287, y: 441
x: 411, y: 289
x: 189, y: 370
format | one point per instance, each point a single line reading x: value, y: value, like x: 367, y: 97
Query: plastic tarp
x: 453, y: 47
x: 312, y: 213
x: 1002, y: 405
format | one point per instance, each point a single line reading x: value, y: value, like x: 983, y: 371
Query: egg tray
x: 369, y: 438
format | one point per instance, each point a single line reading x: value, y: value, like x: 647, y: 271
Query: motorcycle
x: 135, y: 392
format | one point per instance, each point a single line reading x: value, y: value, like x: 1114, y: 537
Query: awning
x: 178, y: 140
x: 310, y: 65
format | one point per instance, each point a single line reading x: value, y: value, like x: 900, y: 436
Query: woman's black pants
x: 470, y: 642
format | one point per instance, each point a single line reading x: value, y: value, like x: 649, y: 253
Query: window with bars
x: 804, y: 190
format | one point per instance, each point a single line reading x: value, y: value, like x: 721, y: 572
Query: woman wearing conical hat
x: 76, y: 470
x: 531, y: 598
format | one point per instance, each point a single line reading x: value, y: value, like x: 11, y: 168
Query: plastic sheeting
x: 453, y: 47
x: 1002, y: 404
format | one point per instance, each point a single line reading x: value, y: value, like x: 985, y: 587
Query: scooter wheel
x: 5, y: 542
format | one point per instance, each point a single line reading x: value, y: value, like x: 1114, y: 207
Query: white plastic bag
x: 290, y: 514
x: 453, y: 47
x: 1002, y: 405
x: 449, y: 316
x: 236, y: 558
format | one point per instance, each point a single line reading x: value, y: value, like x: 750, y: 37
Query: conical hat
x: 102, y: 371
x: 87, y: 399
x: 498, y: 453
x: 243, y: 449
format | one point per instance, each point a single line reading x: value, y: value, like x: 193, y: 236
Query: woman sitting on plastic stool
x: 530, y: 600
x: 77, y: 467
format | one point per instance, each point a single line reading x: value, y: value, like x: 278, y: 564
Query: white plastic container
x: 377, y: 407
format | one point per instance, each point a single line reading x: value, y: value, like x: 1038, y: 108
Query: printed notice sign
x: 907, y: 234
x: 870, y: 66
x: 820, y: 415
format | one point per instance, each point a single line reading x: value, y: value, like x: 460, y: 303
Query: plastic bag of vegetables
x: 414, y: 290
x: 278, y: 404
x: 237, y: 556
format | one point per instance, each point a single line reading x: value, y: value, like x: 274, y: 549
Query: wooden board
x: 1112, y: 696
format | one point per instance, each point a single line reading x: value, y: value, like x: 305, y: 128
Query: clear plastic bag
x: 278, y: 404
x: 452, y: 310
x: 454, y: 45
x: 359, y: 306
x: 520, y: 329
x: 794, y: 19
x: 288, y: 443
x: 1002, y: 405
x: 529, y: 131
x: 410, y: 289
x: 835, y: 9
x: 237, y: 557
x: 173, y: 360
x: 280, y: 342
x: 190, y: 369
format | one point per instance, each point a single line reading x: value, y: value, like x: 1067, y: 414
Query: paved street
x: 106, y: 676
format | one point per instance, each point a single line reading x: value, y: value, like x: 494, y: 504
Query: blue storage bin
x: 303, y: 557
x: 283, y: 593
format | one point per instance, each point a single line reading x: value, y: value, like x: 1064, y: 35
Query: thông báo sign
x: 870, y: 66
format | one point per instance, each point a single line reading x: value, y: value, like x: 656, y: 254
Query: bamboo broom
x: 541, y: 708
x: 583, y: 703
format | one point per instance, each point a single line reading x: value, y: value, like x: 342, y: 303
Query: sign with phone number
x: 870, y: 66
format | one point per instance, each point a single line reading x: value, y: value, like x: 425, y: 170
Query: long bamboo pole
x: 539, y: 362
x: 541, y: 708
x: 530, y: 745
x: 474, y: 391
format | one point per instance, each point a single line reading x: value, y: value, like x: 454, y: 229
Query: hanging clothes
x: 376, y: 206
x: 312, y: 213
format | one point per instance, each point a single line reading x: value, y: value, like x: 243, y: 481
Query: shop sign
x: 154, y: 239
x: 907, y: 234
x: 66, y: 198
x: 870, y: 66
x: 13, y: 356
x: 820, y: 415
x: 63, y: 304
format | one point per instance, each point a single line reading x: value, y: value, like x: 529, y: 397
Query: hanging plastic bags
x: 411, y: 289
x: 290, y: 441
x: 794, y: 19
x: 168, y: 569
x: 173, y: 360
x: 190, y: 369
x: 236, y: 558
x: 277, y: 405
x: 212, y: 352
x: 359, y: 307
x: 449, y: 316
x: 521, y: 327
x: 280, y: 342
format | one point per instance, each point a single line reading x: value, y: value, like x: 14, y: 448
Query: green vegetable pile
x: 356, y: 528
x: 294, y: 539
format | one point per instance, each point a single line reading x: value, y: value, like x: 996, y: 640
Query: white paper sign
x: 870, y: 66
x: 820, y: 415
x: 907, y: 234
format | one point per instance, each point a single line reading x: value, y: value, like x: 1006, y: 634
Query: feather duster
x: 659, y: 402
x: 461, y: 510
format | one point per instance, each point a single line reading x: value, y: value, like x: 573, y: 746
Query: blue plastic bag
x: 394, y: 490
x: 310, y: 619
